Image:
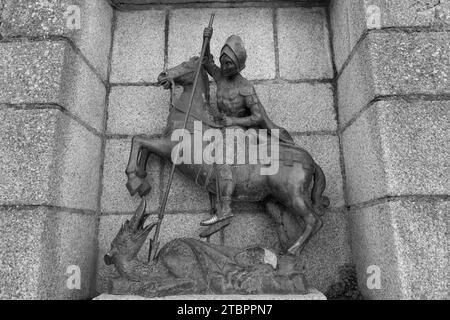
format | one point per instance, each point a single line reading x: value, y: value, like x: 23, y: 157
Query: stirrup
x: 215, y: 219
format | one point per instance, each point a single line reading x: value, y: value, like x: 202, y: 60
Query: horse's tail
x: 320, y: 202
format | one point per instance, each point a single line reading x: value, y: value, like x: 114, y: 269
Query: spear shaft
x: 154, y: 244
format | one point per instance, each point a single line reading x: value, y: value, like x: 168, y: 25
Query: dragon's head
x: 130, y: 238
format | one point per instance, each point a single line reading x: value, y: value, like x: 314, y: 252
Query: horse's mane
x: 192, y: 62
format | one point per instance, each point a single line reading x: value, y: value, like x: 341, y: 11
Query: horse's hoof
x: 144, y: 189
x: 133, y: 184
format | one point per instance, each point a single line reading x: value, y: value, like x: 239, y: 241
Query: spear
x: 154, y: 243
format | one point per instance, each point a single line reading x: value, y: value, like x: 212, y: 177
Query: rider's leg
x: 212, y: 203
x: 213, y: 212
x: 226, y: 185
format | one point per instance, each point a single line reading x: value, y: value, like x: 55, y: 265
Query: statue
x: 190, y: 266
x: 289, y: 188
x: 293, y: 195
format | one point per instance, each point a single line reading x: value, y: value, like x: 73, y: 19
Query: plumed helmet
x: 234, y: 48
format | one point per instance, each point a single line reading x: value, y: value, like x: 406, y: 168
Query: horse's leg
x: 302, y: 209
x: 134, y: 182
x: 141, y: 170
x: 161, y: 147
x: 288, y: 226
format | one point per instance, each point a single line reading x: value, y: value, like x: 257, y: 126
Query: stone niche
x: 290, y: 63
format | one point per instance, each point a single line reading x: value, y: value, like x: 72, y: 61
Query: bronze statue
x: 293, y: 193
x: 289, y: 188
x: 190, y: 266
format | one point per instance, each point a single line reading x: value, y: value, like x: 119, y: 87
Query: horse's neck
x: 199, y: 95
x: 199, y: 102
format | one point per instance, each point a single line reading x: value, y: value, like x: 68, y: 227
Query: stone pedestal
x: 313, y: 295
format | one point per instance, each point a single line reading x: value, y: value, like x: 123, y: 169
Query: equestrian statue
x: 288, y: 181
x: 293, y: 194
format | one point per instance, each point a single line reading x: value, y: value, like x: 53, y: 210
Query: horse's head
x: 129, y: 239
x: 182, y: 74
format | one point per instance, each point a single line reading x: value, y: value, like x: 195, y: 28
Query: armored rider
x: 238, y: 102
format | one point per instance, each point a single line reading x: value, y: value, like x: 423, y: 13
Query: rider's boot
x: 226, y: 187
x: 226, y: 207
x: 226, y: 213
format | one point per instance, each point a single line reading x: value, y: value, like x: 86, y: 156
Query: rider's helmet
x: 234, y: 48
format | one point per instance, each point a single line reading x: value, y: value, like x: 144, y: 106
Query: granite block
x: 138, y: 50
x: 37, y: 248
x: 394, y: 64
x: 401, y: 147
x: 53, y: 18
x: 348, y: 23
x: 137, y: 110
x: 299, y: 107
x: 408, y: 241
x: 44, y: 164
x: 253, y: 25
x: 50, y: 72
x: 304, y: 44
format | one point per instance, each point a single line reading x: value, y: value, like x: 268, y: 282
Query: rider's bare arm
x: 251, y: 121
x: 254, y: 105
x: 210, y: 67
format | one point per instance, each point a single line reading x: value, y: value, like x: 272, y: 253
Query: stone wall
x: 53, y: 84
x: 362, y: 85
x: 71, y: 100
x: 291, y: 66
x: 394, y: 109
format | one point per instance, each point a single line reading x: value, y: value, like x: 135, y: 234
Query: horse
x: 293, y: 196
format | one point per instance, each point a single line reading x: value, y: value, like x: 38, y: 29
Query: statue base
x: 312, y: 295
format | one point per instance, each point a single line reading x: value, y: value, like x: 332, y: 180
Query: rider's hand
x: 206, y: 59
x: 208, y: 32
x: 227, y: 121
x: 167, y: 85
